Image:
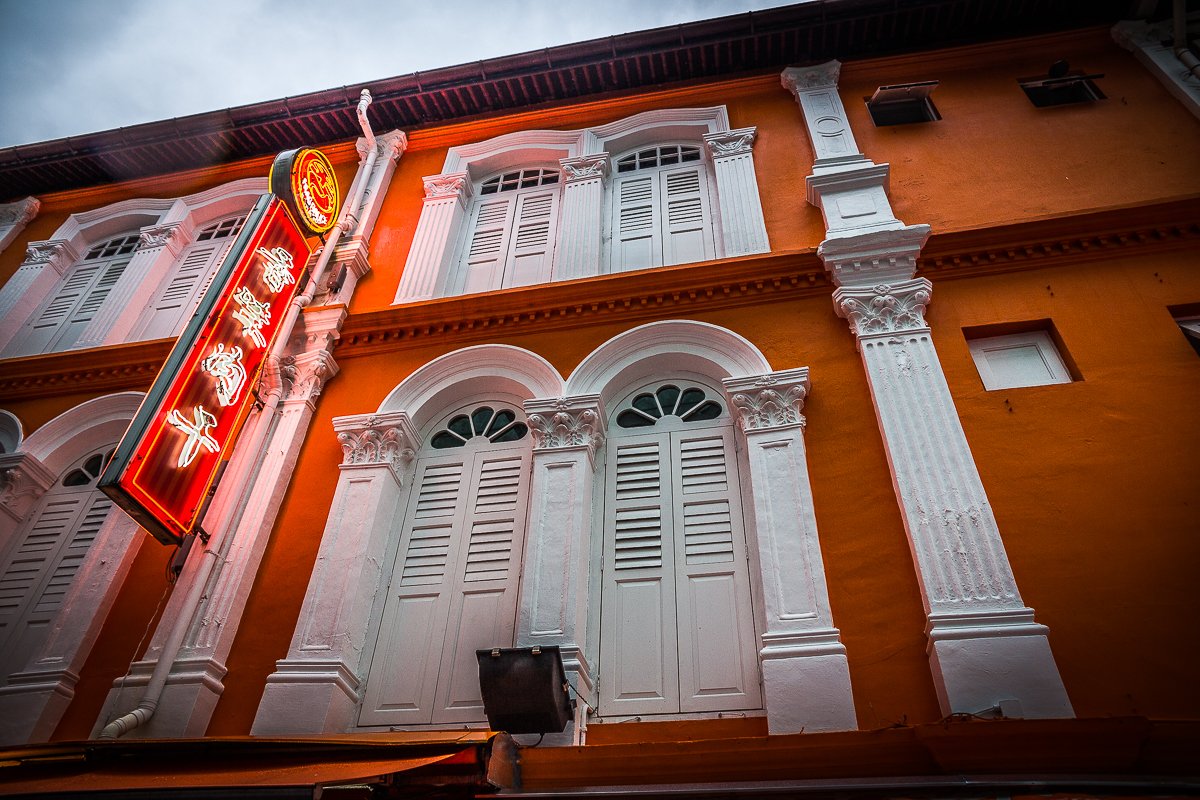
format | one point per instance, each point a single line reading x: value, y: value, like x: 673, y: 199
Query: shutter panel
x: 533, y: 239
x: 97, y: 293
x: 687, y: 229
x: 178, y: 298
x: 404, y: 667
x: 718, y: 666
x: 483, y: 265
x: 454, y: 589
x: 638, y: 659
x: 40, y: 572
x: 637, y: 241
x: 56, y: 311
x: 483, y: 609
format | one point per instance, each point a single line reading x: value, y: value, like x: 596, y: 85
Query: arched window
x: 62, y: 317
x: 661, y: 213
x: 453, y: 588
x: 512, y: 230
x: 187, y: 280
x: 52, y: 546
x: 676, y: 620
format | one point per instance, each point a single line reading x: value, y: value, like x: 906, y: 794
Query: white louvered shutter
x: 35, y: 581
x: 638, y: 651
x: 677, y: 620
x: 453, y: 588
x: 533, y: 239
x: 718, y: 663
x: 190, y: 276
x: 687, y: 223
x: 63, y: 317
x: 637, y: 235
x: 483, y: 265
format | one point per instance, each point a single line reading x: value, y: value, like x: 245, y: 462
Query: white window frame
x: 165, y: 226
x: 584, y: 213
x: 1036, y: 343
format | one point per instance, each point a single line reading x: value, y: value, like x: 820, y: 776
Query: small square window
x: 903, y: 104
x: 1018, y: 359
x: 1060, y: 87
x: 1190, y: 325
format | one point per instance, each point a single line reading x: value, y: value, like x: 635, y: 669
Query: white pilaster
x: 577, y: 253
x: 554, y: 595
x: 159, y: 246
x: 743, y: 230
x: 38, y: 276
x: 315, y: 689
x: 806, y: 677
x: 984, y: 646
x: 14, y: 217
x: 429, y: 259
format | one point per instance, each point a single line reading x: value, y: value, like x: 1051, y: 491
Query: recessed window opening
x: 1189, y: 324
x: 1060, y: 86
x: 689, y: 404
x: 520, y: 179
x: 903, y: 104
x: 658, y: 157
x: 1019, y: 354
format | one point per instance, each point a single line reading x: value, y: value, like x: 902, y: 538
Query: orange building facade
x: 824, y: 449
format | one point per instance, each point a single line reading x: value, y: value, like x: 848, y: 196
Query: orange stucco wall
x: 1090, y: 481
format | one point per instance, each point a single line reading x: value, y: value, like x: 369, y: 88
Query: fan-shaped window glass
x: 690, y: 405
x: 495, y: 425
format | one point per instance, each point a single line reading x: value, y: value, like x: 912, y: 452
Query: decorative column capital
x: 389, y: 145
x: 584, y: 168
x: 23, y: 480
x: 309, y: 372
x: 451, y: 184
x: 386, y: 439
x: 806, y: 79
x: 884, y: 309
x: 57, y: 253
x: 731, y: 143
x: 770, y: 401
x: 567, y: 422
x: 171, y: 235
x: 18, y: 214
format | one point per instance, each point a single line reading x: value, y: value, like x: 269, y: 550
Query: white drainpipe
x: 162, y: 668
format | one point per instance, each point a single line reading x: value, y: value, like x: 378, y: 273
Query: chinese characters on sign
x: 193, y: 412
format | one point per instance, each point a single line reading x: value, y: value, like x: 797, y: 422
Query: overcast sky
x: 78, y: 66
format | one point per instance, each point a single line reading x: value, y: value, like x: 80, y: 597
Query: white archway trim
x: 85, y: 427
x: 671, y: 344
x: 480, y: 369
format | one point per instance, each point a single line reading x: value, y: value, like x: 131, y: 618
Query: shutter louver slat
x: 489, y: 551
x: 99, y: 293
x: 498, y: 486
x: 425, y: 561
x: 638, y: 539
x: 708, y: 533
x: 439, y: 491
x: 638, y: 473
x: 702, y: 466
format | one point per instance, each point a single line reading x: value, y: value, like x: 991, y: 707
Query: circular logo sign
x: 305, y: 181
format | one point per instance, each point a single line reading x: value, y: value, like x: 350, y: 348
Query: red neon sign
x: 190, y: 419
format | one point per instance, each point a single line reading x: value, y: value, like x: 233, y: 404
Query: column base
x: 33, y: 703
x: 986, y: 662
x: 806, y: 684
x: 308, y: 697
x: 185, y: 707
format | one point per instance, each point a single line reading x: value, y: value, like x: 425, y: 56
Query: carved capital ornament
x: 455, y: 184
x: 768, y: 401
x: 885, y: 308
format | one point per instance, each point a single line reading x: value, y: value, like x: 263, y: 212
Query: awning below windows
x: 258, y: 767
